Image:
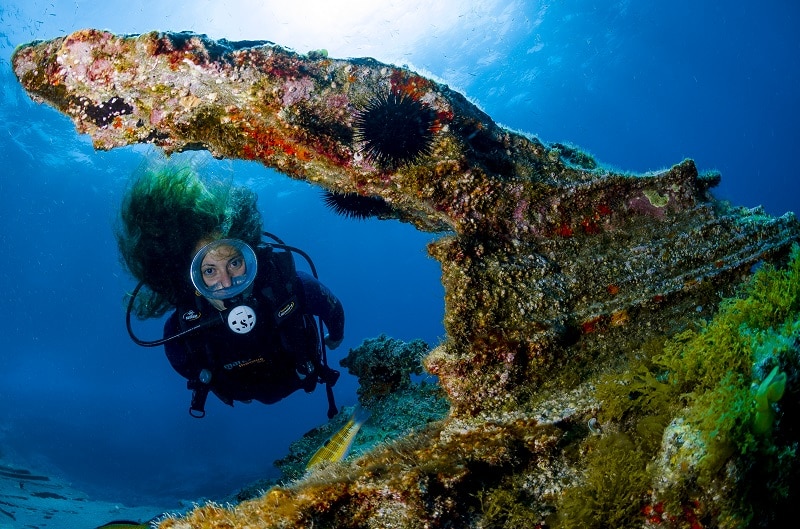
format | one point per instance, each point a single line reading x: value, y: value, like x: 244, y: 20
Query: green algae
x: 508, y: 507
x: 720, y: 383
x: 613, y: 490
x: 769, y: 392
x: 657, y: 199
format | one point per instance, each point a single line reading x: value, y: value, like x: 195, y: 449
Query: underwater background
x: 640, y: 85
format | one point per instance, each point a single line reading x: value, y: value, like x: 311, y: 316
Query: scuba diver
x: 243, y: 317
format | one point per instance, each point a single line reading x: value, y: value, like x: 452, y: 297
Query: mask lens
x: 223, y: 269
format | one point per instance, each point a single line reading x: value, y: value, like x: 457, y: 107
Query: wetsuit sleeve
x: 320, y: 301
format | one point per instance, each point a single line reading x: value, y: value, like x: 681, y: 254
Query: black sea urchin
x: 395, y: 129
x: 357, y: 206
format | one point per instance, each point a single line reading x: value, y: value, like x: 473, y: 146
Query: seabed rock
x: 563, y: 281
x: 399, y: 404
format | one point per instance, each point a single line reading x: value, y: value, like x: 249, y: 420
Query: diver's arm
x: 321, y: 302
x: 177, y: 351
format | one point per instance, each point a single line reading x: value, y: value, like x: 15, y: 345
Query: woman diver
x: 243, y: 323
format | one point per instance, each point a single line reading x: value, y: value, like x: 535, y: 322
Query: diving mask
x: 224, y: 269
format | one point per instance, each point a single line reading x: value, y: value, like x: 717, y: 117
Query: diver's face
x: 220, y: 265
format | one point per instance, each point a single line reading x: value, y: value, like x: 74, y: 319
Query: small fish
x: 125, y: 524
x: 336, y: 448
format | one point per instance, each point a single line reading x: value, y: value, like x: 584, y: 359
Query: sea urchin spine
x: 395, y: 129
x: 355, y: 206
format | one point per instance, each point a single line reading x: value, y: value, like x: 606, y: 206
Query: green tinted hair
x: 164, y: 214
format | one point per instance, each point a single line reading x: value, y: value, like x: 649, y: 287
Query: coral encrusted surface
x: 593, y: 377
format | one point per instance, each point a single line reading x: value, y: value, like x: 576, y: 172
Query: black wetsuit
x: 263, y: 363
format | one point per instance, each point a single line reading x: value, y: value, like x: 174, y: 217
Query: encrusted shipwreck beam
x: 555, y: 269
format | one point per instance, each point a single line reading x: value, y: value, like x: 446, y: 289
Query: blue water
x: 640, y: 85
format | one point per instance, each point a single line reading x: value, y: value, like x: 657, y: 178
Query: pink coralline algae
x: 556, y: 270
x: 296, y: 90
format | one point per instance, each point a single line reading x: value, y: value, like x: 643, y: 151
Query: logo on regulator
x: 241, y: 319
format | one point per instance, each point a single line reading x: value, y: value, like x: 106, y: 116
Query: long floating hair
x: 164, y: 214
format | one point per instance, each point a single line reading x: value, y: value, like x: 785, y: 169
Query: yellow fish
x: 335, y: 448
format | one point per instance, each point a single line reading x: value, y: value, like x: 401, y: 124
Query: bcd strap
x: 285, y: 267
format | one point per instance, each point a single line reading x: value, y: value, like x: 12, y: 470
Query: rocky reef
x: 593, y: 378
x: 390, y: 387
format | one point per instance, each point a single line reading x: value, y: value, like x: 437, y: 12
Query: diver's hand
x: 332, y: 344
